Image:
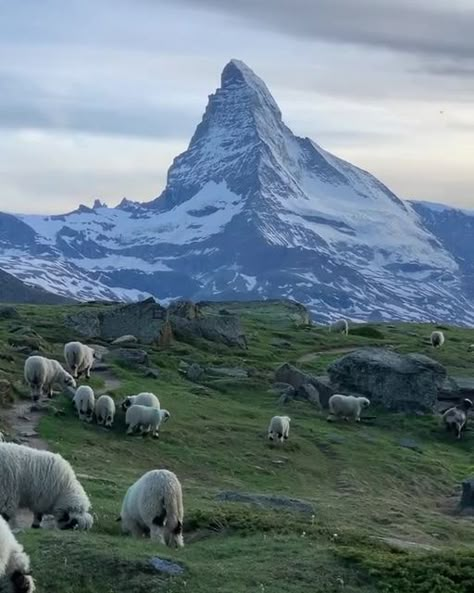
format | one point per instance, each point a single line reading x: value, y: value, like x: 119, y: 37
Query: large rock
x: 289, y: 374
x: 309, y: 393
x: 185, y: 309
x: 130, y: 357
x: 457, y: 388
x: 145, y: 320
x: 398, y: 382
x: 224, y: 329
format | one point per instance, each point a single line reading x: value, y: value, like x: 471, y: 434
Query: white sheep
x: 471, y: 348
x: 44, y: 483
x: 84, y: 400
x: 142, y: 399
x: 341, y: 326
x: 279, y: 428
x: 14, y: 562
x: 79, y: 358
x: 145, y: 419
x: 456, y: 418
x: 347, y: 406
x: 153, y: 506
x: 42, y: 374
x: 105, y: 411
x: 437, y: 339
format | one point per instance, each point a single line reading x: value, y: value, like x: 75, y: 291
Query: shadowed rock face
x: 146, y: 319
x: 398, y: 382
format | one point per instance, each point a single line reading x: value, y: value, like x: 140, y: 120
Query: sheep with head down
x: 44, y: 483
x: 84, y: 400
x: 437, y: 339
x: 153, y: 506
x: 41, y: 374
x: 142, y: 399
x: 348, y: 407
x: 105, y: 411
x: 455, y: 418
x: 145, y: 420
x: 279, y: 428
x: 79, y: 358
x: 14, y: 562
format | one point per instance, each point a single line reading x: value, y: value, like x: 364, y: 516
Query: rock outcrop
x: 398, y: 382
x: 147, y: 319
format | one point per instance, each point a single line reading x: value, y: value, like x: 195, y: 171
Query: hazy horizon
x: 98, y: 99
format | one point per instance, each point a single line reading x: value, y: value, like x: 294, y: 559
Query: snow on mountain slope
x: 252, y: 211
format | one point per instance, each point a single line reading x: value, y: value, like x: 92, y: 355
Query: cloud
x: 436, y: 27
x: 25, y: 105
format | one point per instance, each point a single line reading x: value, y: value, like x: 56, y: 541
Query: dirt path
x: 22, y: 420
x: 315, y: 355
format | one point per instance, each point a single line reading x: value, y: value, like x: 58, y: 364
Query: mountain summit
x: 251, y: 210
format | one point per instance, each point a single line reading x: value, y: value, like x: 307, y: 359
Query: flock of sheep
x: 45, y: 483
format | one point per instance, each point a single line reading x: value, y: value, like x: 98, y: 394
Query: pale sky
x: 98, y: 96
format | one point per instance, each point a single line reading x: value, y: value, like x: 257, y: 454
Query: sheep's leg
x: 37, y: 518
x: 130, y: 429
x: 88, y: 373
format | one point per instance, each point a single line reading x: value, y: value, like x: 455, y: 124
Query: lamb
x: 44, y: 483
x: 340, y: 326
x: 14, y: 562
x: 145, y: 419
x: 42, y: 373
x: 279, y: 428
x: 153, y: 506
x: 79, y: 358
x: 105, y: 411
x: 142, y: 399
x: 456, y: 418
x: 347, y: 406
x: 84, y: 400
x: 437, y: 339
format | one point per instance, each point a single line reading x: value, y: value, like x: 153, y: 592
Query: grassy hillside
x: 363, y: 484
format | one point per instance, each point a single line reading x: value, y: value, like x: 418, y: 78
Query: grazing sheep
x: 79, y: 358
x: 44, y: 483
x: 142, y: 399
x: 14, y: 562
x: 471, y: 348
x: 456, y: 418
x: 347, y: 406
x: 279, y: 428
x: 154, y: 506
x: 105, y: 411
x: 437, y: 339
x: 84, y: 400
x: 42, y: 374
x: 341, y: 326
x: 145, y: 419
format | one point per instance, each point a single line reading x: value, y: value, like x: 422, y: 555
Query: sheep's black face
x: 22, y: 583
x: 126, y: 404
x: 65, y: 521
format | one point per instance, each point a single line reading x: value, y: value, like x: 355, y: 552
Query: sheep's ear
x: 118, y: 519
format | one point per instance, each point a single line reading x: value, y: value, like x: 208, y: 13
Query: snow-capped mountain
x: 252, y: 211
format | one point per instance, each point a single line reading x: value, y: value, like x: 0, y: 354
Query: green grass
x: 361, y: 482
